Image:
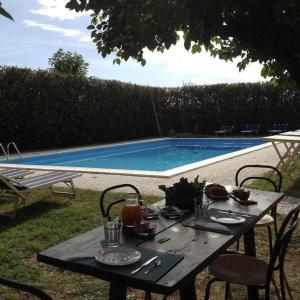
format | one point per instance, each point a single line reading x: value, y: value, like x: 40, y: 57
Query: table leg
x: 250, y: 249
x: 117, y: 291
x: 188, y: 291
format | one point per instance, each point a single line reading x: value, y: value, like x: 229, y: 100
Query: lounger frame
x: 17, y: 190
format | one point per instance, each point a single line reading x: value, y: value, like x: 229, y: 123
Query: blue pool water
x: 153, y: 155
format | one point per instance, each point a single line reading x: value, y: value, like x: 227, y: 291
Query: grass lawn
x: 41, y: 224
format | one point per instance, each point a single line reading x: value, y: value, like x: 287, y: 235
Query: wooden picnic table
x: 291, y: 133
x: 198, y: 247
x: 291, y: 149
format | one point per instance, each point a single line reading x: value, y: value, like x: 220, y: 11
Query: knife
x: 144, y: 265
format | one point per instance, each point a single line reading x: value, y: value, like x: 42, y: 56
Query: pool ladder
x: 7, y: 151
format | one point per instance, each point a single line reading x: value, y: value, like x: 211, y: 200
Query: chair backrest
x: 276, y: 185
x: 227, y: 128
x: 277, y: 257
x: 105, y: 210
x: 252, y: 127
x: 280, y: 126
x: 25, y: 288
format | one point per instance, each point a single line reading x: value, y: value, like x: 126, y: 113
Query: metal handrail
x: 3, y: 150
x: 16, y: 148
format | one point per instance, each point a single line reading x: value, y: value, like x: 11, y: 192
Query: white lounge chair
x: 17, y: 190
x: 15, y: 173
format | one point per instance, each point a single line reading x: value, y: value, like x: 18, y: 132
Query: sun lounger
x: 17, y: 190
x: 225, y: 129
x: 15, y: 173
x: 251, y: 128
x: 278, y: 128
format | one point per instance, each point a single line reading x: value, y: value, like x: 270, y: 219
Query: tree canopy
x: 68, y: 63
x: 5, y: 13
x: 252, y: 30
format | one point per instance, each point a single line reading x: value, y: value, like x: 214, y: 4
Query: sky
x: 43, y: 26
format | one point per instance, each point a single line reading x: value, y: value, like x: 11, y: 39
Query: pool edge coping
x: 158, y: 174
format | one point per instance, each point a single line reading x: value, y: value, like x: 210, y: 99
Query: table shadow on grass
x: 29, y: 212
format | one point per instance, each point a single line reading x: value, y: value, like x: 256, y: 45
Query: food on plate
x: 241, y: 193
x: 145, y: 229
x: 149, y: 213
x: 216, y: 191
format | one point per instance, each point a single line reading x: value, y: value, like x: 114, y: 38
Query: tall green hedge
x: 203, y: 109
x: 41, y: 109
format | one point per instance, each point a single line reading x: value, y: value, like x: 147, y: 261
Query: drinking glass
x: 198, y: 207
x: 205, y: 205
x: 201, y: 208
x: 112, y: 233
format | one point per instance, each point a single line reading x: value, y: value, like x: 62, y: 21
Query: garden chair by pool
x: 251, y: 128
x: 225, y: 129
x: 278, y: 128
x: 250, y: 271
x: 15, y: 173
x: 17, y: 190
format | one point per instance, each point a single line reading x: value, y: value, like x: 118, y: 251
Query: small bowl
x: 242, y: 194
x: 149, y: 214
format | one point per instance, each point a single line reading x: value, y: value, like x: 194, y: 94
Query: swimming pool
x: 160, y: 156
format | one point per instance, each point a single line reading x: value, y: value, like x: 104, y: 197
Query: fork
x: 154, y: 265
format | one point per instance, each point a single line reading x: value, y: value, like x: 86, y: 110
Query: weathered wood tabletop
x: 198, y: 247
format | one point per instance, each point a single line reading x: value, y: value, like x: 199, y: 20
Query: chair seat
x: 239, y: 269
x: 265, y: 221
x: 220, y: 131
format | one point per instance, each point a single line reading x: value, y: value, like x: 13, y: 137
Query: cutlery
x: 238, y: 214
x: 155, y: 265
x: 230, y: 212
x: 144, y: 265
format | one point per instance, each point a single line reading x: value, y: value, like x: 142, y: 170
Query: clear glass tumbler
x: 112, y: 233
x: 201, y: 208
x: 205, y: 205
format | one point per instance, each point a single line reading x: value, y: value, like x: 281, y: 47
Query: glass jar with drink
x: 132, y: 212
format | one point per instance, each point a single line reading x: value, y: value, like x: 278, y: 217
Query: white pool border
x: 159, y: 174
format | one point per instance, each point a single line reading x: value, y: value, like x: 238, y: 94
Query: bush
x: 42, y: 109
x: 203, y: 109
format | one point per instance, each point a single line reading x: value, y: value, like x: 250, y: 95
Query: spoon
x: 155, y: 264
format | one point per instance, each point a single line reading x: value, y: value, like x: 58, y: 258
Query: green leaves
x: 184, y: 188
x: 117, y: 61
x: 254, y: 30
x: 4, y: 13
x: 68, y: 63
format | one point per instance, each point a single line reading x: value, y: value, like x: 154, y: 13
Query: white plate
x: 229, y: 220
x: 118, y: 256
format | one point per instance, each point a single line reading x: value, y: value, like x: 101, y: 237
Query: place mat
x: 210, y: 225
x: 168, y: 261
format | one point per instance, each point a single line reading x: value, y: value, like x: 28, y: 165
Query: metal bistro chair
x: 105, y: 210
x: 25, y: 288
x: 251, y: 271
x: 266, y: 220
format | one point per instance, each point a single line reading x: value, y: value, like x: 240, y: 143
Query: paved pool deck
x: 222, y: 172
